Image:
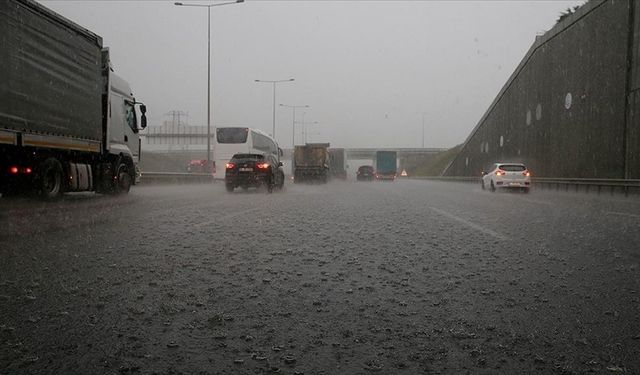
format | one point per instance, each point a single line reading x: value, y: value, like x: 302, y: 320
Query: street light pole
x: 304, y: 128
x: 306, y: 131
x: 209, y: 88
x: 293, y: 122
x: 208, y: 6
x: 273, y: 134
x: 423, y: 129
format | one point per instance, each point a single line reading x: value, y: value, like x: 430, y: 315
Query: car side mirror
x: 280, y: 164
x: 483, y: 173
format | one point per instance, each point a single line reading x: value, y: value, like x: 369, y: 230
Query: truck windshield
x: 130, y: 116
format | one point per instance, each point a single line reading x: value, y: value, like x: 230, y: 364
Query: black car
x: 253, y: 170
x: 365, y: 173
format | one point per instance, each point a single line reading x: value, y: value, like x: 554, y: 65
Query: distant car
x: 197, y: 166
x: 365, y: 173
x: 507, y: 176
x: 253, y: 170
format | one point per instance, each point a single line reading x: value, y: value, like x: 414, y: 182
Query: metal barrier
x: 175, y: 178
x: 625, y: 186
x: 443, y: 178
x: 576, y: 184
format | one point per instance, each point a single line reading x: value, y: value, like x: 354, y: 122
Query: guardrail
x: 624, y: 186
x: 174, y: 178
x: 446, y: 178
x: 598, y: 184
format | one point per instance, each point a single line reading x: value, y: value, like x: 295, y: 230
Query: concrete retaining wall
x: 564, y: 110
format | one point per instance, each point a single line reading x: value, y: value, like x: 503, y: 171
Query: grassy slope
x: 437, y: 165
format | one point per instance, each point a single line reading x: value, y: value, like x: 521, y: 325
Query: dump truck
x: 311, y: 163
x: 67, y: 122
x: 385, y: 165
x: 337, y: 163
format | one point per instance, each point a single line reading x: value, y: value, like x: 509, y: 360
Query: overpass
x: 369, y: 153
x: 176, y: 157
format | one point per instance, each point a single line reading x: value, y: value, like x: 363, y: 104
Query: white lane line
x: 623, y: 214
x: 470, y: 224
x: 229, y: 216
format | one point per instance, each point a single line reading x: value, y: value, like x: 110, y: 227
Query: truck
x: 67, y: 122
x: 311, y: 163
x: 385, y: 165
x: 337, y: 163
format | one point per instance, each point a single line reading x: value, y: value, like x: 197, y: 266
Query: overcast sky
x: 368, y: 69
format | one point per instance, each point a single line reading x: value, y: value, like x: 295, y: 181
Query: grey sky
x: 368, y: 69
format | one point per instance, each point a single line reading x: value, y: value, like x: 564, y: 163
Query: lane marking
x: 229, y: 216
x: 623, y: 214
x: 470, y: 224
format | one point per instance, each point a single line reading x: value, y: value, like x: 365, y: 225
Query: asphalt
x: 404, y: 277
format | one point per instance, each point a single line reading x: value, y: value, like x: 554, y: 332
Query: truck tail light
x: 28, y: 170
x: 14, y: 170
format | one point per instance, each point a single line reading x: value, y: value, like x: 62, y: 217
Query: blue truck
x: 386, y: 165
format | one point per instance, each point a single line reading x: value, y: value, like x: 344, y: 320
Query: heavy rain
x: 344, y: 187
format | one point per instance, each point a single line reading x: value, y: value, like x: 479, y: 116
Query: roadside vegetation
x: 438, y: 163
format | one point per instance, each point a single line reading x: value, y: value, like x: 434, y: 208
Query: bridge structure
x: 192, y: 138
x: 172, y: 151
x: 369, y: 152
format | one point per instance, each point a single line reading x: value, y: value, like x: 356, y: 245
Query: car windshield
x: 248, y: 157
x: 232, y: 135
x: 512, y: 167
x: 319, y: 187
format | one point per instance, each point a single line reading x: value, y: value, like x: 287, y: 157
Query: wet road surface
x: 348, y: 278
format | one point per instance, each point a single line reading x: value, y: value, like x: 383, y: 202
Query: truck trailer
x: 67, y: 122
x: 385, y: 165
x: 311, y: 163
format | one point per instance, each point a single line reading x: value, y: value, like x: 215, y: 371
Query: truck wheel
x: 50, y: 179
x: 122, y: 185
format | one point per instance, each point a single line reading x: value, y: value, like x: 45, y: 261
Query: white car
x: 507, y: 176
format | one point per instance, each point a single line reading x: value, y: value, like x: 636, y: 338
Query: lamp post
x: 208, y: 6
x: 273, y: 134
x: 423, y: 129
x: 293, y: 122
x: 304, y: 128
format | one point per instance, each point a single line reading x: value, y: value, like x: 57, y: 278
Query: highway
x: 346, y: 278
